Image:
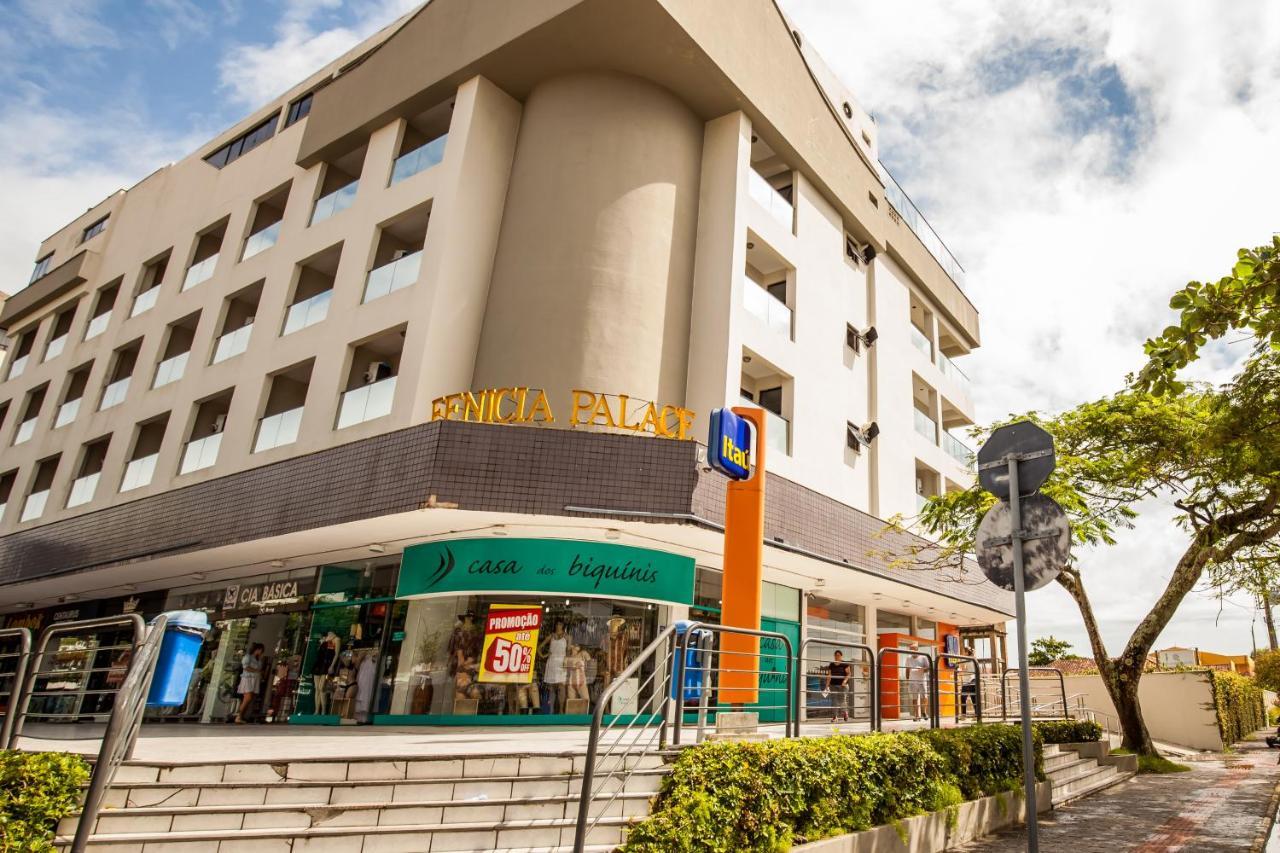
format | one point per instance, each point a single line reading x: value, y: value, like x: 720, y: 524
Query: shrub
x: 1266, y: 669
x: 1068, y: 731
x: 37, y: 789
x: 1239, y: 706
x: 727, y: 797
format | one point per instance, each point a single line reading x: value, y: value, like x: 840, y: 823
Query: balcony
x: 34, y: 506
x: 67, y: 413
x: 308, y: 312
x: 770, y: 199
x: 232, y: 344
x: 201, y: 453
x: 18, y: 365
x: 260, y: 242
x: 200, y: 273
x: 920, y: 226
x: 366, y: 403
x: 777, y: 429
x: 138, y: 473
x: 957, y: 449
x: 920, y: 341
x: 26, y: 429
x: 769, y: 310
x: 278, y: 430
x: 171, y: 369
x: 955, y: 374
x: 97, y: 326
x: 145, y: 301
x: 55, y: 347
x: 926, y: 426
x: 82, y: 490
x: 921, y: 502
x: 392, y: 277
x: 419, y: 159
x: 334, y: 203
x: 114, y: 393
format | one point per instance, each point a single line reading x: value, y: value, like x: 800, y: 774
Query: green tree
x: 1266, y: 670
x: 1216, y: 451
x: 1046, y: 650
x: 1246, y: 300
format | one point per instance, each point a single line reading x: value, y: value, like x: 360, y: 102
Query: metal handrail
x: 933, y: 687
x: 1062, y: 687
x: 23, y: 636
x: 586, y: 792
x: 937, y: 682
x: 840, y: 645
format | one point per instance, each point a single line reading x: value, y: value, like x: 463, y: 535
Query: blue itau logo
x: 729, y: 444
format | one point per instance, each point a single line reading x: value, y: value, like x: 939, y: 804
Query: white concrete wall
x: 1177, y: 706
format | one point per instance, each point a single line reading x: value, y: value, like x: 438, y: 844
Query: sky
x: 1083, y: 160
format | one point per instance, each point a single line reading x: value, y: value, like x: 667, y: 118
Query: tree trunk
x: 1123, y: 689
x: 1271, y: 622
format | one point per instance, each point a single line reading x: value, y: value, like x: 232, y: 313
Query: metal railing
x: 846, y: 699
x: 11, y: 680
x: 1053, y: 708
x: 915, y: 220
x: 921, y: 706
x: 960, y: 691
x: 130, y: 699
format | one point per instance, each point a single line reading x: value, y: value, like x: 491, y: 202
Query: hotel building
x: 381, y: 356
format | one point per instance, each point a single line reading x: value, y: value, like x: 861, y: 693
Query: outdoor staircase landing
x: 1074, y: 771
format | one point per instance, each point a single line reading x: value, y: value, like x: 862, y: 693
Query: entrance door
x: 774, y: 692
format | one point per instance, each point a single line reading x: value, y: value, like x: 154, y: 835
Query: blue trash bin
x: 693, y: 671
x: 183, y: 636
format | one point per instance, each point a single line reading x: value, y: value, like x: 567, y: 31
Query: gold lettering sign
x: 586, y: 409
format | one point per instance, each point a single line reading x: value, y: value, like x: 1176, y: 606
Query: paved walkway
x: 1224, y: 804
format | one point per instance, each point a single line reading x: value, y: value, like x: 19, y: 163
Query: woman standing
x: 250, y: 679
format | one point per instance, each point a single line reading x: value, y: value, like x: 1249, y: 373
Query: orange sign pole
x: 743, y: 574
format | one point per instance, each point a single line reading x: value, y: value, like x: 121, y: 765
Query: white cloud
x: 71, y: 23
x: 1075, y: 224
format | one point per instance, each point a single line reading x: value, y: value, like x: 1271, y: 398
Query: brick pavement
x: 1224, y: 804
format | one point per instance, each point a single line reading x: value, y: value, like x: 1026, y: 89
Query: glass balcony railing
x: 777, y: 430
x: 770, y: 199
x: 55, y: 347
x: 955, y: 374
x: 419, y: 159
x: 18, y: 365
x: 766, y: 308
x: 145, y: 301
x: 232, y: 344
x: 260, y: 242
x: 113, y: 394
x: 278, y: 430
x: 26, y: 429
x: 958, y: 450
x: 200, y: 453
x: 67, y: 413
x: 82, y: 490
x: 97, y: 326
x: 335, y: 202
x: 308, y: 312
x: 34, y: 506
x: 921, y: 501
x: 920, y: 341
x: 171, y: 369
x: 926, y: 426
x: 199, y: 273
x: 138, y: 472
x: 917, y: 223
x: 366, y: 403
x: 393, y: 276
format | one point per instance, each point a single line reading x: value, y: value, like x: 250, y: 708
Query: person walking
x: 969, y: 684
x: 917, y: 682
x: 250, y: 679
x: 838, y: 685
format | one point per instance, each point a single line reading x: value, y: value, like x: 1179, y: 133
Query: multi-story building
x: 241, y: 384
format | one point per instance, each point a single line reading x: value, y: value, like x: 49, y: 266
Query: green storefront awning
x: 564, y: 566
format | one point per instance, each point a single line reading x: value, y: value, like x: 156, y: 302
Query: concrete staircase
x: 1079, y: 769
x: 508, y: 803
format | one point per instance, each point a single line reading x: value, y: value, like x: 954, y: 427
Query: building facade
x: 463, y: 299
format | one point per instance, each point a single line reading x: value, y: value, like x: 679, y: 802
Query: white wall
x: 1177, y: 706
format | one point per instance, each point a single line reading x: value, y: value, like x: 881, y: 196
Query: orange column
x: 743, y: 574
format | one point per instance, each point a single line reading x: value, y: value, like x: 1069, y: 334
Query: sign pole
x: 743, y: 573
x: 1024, y: 686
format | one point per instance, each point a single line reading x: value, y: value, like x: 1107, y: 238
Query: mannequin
x: 366, y: 674
x: 554, y: 676
x: 322, y: 669
x: 525, y: 697
x: 464, y: 642
x: 617, y: 646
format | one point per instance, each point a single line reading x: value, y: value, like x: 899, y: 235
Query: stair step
x: 1089, y: 783
x: 1077, y: 770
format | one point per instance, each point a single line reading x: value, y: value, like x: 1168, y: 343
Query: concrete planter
x: 928, y: 833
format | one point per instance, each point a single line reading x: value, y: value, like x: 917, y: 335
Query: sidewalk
x: 1224, y: 803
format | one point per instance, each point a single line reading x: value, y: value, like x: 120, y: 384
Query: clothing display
x: 556, y: 649
x: 250, y: 675
x: 617, y: 652
x: 366, y: 675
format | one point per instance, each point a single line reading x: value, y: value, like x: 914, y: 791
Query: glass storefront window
x: 836, y: 620
x: 888, y: 622
x: 582, y: 644
x: 925, y: 629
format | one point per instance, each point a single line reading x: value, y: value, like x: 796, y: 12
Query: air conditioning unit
x: 220, y: 423
x: 398, y: 254
x: 376, y: 372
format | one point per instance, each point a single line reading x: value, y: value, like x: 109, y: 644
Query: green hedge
x: 1068, y: 731
x: 1239, y: 705
x: 37, y: 789
x: 764, y: 797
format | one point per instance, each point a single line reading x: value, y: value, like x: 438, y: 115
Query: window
x: 298, y: 110
x: 244, y: 143
x: 42, y: 267
x: 95, y: 229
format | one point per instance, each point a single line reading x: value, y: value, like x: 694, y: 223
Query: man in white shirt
x: 917, y: 667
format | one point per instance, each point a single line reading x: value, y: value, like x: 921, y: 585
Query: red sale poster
x: 510, y: 643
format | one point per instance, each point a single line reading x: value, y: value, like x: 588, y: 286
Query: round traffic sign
x: 1046, y: 546
x: 1024, y: 439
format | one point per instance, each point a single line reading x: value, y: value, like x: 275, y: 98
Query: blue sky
x: 1082, y: 160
